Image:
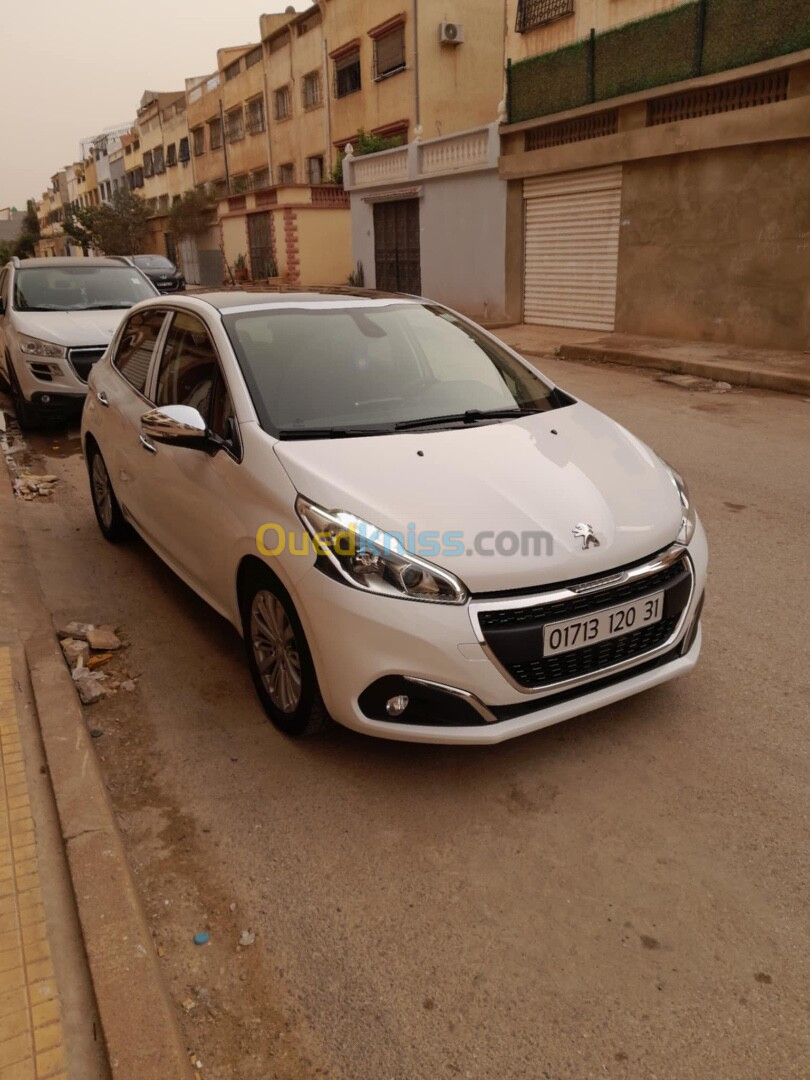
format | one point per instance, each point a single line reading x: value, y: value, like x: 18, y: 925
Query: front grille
x: 567, y: 609
x: 82, y: 360
x: 515, y: 635
x: 168, y: 286
x: 573, y: 665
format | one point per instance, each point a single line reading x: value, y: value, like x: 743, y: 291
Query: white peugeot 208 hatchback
x: 414, y: 531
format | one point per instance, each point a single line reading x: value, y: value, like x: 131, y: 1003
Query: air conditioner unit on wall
x: 451, y: 33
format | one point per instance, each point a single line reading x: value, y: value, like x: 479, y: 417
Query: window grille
x: 255, y: 116
x: 311, y: 90
x: 534, y: 13
x: 282, y: 103
x: 235, y: 123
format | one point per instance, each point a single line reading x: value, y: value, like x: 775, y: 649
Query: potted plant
x: 240, y: 269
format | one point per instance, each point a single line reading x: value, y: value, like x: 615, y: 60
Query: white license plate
x: 573, y: 634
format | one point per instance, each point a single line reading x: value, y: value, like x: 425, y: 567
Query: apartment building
x: 429, y: 215
x: 163, y: 137
x: 409, y: 70
x: 50, y: 213
x: 661, y: 150
x: 133, y: 162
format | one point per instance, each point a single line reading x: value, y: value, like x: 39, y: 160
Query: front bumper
x: 356, y: 639
x: 58, y: 392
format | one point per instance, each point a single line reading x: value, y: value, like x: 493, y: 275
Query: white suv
x: 57, y: 317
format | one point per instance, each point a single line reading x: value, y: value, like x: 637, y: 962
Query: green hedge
x: 658, y: 50
x: 550, y: 83
x: 742, y: 33
x: 649, y: 52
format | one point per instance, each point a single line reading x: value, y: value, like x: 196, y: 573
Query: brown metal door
x: 262, y: 261
x: 396, y: 246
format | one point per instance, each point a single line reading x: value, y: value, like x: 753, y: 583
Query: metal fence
x: 698, y: 38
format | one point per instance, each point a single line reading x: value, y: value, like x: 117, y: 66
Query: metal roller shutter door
x: 572, y: 248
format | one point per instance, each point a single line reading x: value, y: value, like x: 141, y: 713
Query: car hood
x: 71, y: 328
x: 542, y: 474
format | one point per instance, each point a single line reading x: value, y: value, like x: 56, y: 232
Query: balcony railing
x: 465, y: 151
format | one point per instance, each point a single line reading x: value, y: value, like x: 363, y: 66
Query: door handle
x: 101, y: 397
x: 148, y: 446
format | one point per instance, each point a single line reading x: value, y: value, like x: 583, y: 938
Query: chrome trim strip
x: 572, y: 592
x: 454, y: 691
x: 661, y: 562
x: 78, y: 349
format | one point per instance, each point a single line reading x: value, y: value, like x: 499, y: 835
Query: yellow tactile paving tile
x: 31, y: 1038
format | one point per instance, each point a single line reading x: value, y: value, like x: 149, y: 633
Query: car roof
x: 236, y: 298
x: 92, y: 260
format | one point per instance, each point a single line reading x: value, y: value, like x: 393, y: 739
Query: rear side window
x: 136, y: 346
x: 188, y: 365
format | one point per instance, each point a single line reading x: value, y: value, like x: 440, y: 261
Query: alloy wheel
x: 275, y: 650
x: 102, y: 492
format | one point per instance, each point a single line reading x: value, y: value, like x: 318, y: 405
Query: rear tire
x: 114, y: 526
x: 278, y: 656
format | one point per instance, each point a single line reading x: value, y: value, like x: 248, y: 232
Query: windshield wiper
x: 471, y: 416
x: 331, y: 432
x: 102, y: 307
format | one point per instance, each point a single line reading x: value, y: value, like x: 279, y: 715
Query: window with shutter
x: 389, y: 53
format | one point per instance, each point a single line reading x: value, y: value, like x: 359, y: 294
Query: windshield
x: 79, y: 288
x: 377, y: 366
x: 153, y: 262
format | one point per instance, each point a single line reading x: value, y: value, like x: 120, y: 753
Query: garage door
x: 572, y: 248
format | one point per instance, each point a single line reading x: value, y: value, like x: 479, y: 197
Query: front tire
x: 114, y: 526
x: 279, y: 657
x: 27, y: 415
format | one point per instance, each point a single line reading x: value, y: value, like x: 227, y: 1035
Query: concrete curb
x: 761, y: 377
x: 140, y: 1030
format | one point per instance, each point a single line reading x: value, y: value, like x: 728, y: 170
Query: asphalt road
x: 623, y: 895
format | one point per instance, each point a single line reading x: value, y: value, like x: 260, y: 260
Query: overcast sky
x: 72, y: 68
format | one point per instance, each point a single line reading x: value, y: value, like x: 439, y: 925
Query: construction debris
x: 98, y: 659
x: 103, y: 638
x: 694, y: 382
x: 31, y: 487
x: 90, y: 689
x: 87, y: 648
x: 77, y: 653
x: 75, y: 630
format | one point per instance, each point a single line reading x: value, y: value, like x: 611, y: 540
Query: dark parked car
x: 161, y: 271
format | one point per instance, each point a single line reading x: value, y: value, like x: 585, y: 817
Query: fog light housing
x: 397, y: 705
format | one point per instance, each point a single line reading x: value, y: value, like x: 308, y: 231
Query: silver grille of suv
x: 82, y: 360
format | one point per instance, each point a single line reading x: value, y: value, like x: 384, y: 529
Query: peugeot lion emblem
x: 587, y: 534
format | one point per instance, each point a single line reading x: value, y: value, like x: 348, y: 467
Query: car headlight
x: 375, y: 561
x: 34, y: 347
x: 688, y: 513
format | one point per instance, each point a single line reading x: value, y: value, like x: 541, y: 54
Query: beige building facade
x: 663, y: 166
x: 162, y: 132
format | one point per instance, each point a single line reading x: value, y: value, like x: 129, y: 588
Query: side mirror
x: 180, y: 425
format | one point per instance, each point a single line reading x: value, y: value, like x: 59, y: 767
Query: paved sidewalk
x: 766, y: 369
x: 31, y: 1039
